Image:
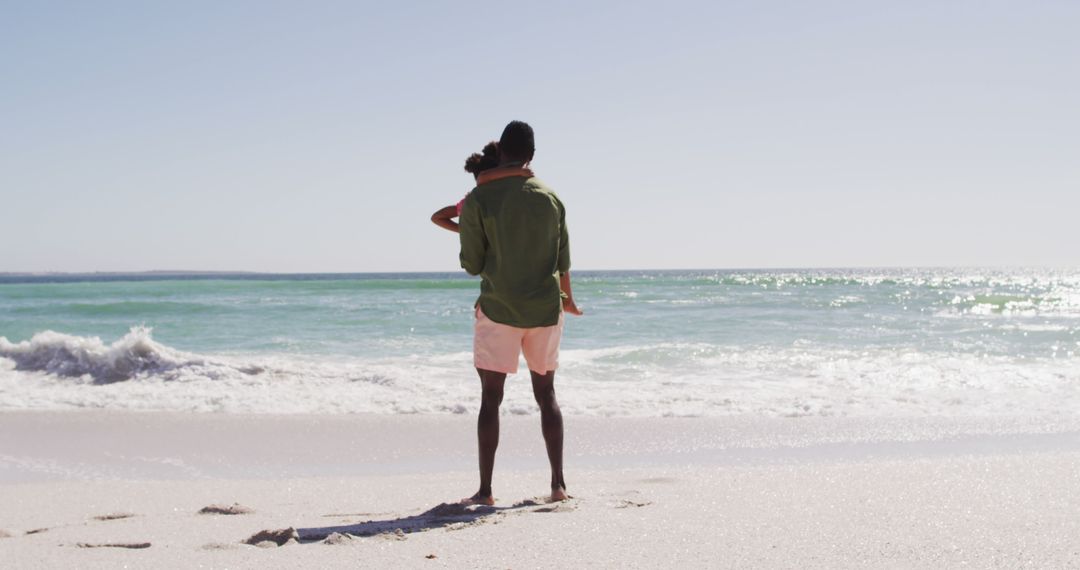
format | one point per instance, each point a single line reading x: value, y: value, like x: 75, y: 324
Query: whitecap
x: 134, y: 355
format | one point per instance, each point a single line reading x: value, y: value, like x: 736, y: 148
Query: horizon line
x: 166, y: 272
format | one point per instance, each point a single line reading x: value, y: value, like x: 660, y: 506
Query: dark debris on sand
x: 114, y: 516
x: 131, y: 545
x: 280, y: 537
x: 233, y: 509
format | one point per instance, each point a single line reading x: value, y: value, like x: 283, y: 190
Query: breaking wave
x: 134, y: 355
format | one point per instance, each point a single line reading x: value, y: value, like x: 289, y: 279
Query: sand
x: 105, y: 489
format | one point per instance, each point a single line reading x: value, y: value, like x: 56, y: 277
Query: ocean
x: 780, y: 343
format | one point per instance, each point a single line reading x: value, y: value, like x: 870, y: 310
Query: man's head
x: 517, y: 143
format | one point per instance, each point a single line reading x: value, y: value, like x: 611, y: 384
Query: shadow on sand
x: 443, y: 515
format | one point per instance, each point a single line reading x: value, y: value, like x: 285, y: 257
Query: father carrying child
x: 513, y: 234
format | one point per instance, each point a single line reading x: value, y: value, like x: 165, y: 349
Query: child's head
x: 479, y: 162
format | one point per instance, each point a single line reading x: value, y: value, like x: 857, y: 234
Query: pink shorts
x: 497, y: 347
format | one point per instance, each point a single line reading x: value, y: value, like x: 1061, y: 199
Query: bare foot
x: 558, y: 494
x: 478, y: 500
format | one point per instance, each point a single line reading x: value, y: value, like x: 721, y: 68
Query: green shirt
x: 513, y: 235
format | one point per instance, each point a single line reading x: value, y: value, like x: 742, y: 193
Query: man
x: 513, y: 234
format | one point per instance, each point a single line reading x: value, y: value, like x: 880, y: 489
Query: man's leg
x: 552, y: 425
x: 487, y: 431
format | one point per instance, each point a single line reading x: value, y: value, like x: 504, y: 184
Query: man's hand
x: 569, y: 306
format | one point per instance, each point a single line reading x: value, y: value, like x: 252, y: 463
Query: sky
x: 320, y: 136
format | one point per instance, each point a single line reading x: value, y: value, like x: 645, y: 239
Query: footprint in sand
x: 220, y: 546
x: 545, y: 502
x: 563, y: 507
x: 627, y: 503
x: 622, y: 500
x: 37, y: 531
x: 396, y: 534
x: 474, y: 523
x: 337, y: 539
x: 658, y: 480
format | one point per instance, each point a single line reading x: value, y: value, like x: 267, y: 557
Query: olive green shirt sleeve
x: 564, y: 242
x: 471, y: 233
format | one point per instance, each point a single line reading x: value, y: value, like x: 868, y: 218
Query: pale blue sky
x: 320, y: 136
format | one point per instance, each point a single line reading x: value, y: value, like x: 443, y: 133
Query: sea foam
x: 60, y: 371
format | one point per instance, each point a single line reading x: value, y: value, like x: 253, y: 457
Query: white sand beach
x: 95, y: 489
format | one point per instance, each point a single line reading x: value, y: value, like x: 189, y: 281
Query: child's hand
x: 569, y: 306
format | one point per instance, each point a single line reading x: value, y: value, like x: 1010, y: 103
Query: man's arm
x: 473, y: 240
x: 564, y: 266
x: 568, y: 303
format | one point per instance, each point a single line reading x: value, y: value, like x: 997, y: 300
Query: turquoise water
x: 830, y: 342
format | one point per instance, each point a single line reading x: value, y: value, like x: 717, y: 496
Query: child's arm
x: 568, y: 301
x: 444, y: 218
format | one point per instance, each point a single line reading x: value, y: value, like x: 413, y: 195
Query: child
x: 475, y: 164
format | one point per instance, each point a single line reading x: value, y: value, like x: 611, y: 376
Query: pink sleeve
x: 459, y: 205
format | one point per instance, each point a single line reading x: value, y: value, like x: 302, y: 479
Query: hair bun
x: 477, y: 162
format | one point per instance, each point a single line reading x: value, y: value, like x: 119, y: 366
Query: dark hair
x: 479, y: 162
x: 517, y: 142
